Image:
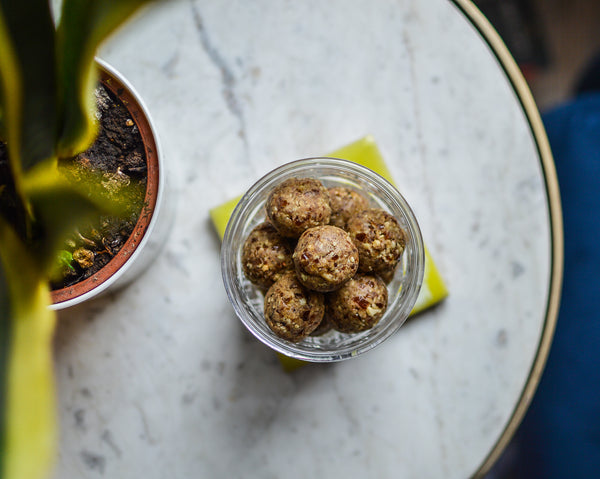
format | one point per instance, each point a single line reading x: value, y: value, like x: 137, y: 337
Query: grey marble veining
x: 160, y: 380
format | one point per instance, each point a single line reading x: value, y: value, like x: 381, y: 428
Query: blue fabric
x: 560, y: 434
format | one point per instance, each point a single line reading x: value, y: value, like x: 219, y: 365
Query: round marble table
x: 160, y: 380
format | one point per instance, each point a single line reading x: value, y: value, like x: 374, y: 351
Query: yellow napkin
x: 366, y: 153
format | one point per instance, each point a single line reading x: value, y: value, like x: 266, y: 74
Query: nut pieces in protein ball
x: 325, y: 258
x: 379, y: 238
x: 292, y: 311
x: 298, y: 204
x: 266, y: 255
x: 358, y: 305
x: 345, y: 203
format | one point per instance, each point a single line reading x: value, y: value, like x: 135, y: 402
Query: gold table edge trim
x: 519, y: 84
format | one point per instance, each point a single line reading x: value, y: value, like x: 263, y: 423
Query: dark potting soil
x: 117, y: 158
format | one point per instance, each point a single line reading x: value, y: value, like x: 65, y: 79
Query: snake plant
x: 47, y: 78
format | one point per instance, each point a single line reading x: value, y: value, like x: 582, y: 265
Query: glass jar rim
x: 248, y: 205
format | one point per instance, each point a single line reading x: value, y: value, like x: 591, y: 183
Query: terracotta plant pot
x: 152, y: 227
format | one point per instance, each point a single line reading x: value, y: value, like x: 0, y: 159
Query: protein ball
x: 358, y: 305
x: 292, y: 311
x: 379, y: 238
x: 266, y: 255
x: 325, y: 258
x: 345, y: 203
x: 297, y: 204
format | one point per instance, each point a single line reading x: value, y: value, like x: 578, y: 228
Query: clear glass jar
x: 247, y: 299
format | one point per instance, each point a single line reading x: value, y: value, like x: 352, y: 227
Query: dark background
x: 552, y: 40
x: 557, y: 46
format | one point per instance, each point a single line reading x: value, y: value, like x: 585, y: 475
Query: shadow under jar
x: 248, y: 300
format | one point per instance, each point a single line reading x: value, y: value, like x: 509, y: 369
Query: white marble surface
x: 160, y: 380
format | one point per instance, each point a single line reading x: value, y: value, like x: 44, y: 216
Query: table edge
x: 525, y: 97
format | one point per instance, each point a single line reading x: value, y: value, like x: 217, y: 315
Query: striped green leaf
x: 83, y: 25
x: 29, y: 93
x: 47, y: 77
x: 59, y: 206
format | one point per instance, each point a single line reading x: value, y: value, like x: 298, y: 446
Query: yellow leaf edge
x: 30, y: 434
